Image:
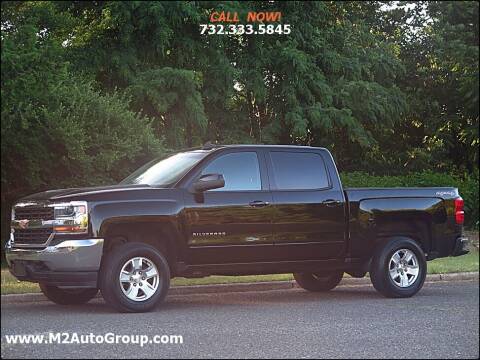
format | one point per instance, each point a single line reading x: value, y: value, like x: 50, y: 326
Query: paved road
x: 440, y: 322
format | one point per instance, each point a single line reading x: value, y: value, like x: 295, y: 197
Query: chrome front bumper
x: 70, y: 263
x: 69, y: 255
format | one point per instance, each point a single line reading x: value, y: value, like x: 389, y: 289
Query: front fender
x: 104, y: 215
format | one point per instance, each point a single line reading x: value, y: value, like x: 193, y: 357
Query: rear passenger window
x: 298, y: 170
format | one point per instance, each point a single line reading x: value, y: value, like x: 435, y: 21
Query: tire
x: 318, y: 282
x: 398, y: 281
x: 68, y: 296
x: 143, y: 293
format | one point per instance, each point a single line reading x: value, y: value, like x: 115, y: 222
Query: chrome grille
x: 34, y: 213
x: 32, y: 236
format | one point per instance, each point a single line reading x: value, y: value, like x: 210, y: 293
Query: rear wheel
x: 318, y: 281
x: 68, y: 296
x: 398, y: 268
x: 135, y: 277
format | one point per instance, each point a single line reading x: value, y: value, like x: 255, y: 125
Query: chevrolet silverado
x: 230, y: 210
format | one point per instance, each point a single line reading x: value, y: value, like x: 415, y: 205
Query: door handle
x: 259, y: 203
x: 331, y: 202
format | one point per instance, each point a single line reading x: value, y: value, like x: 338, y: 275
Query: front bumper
x: 70, y: 263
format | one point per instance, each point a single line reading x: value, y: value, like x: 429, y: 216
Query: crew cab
x: 230, y: 210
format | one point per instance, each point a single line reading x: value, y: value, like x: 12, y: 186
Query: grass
x: 468, y: 262
x: 10, y: 285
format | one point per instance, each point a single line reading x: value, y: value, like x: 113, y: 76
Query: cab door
x: 309, y: 205
x: 232, y: 224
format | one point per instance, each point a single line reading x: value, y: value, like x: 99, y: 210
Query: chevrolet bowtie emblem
x: 23, y: 224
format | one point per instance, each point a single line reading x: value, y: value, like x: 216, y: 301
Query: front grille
x: 34, y: 213
x: 32, y: 236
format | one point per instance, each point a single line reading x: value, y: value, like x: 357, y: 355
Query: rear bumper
x: 460, y: 247
x: 70, y: 263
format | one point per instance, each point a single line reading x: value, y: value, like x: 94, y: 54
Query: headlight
x: 71, y: 217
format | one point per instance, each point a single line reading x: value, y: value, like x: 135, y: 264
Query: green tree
x: 437, y: 43
x: 92, y: 89
x: 57, y: 129
x: 454, y: 69
x: 330, y: 83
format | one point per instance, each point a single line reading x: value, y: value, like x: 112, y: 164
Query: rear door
x: 309, y: 205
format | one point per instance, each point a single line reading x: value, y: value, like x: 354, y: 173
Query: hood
x: 63, y: 194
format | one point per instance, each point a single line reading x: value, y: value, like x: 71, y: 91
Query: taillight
x: 459, y: 213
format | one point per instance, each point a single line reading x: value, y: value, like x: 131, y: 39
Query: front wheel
x: 318, y: 281
x: 135, y: 277
x: 68, y: 296
x: 398, y: 268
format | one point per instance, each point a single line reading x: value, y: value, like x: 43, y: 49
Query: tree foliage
x: 92, y: 89
x: 57, y: 128
x: 437, y: 42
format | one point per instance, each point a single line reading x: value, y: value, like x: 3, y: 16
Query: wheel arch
x: 162, y: 235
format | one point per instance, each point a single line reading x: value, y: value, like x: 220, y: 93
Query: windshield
x: 167, y: 171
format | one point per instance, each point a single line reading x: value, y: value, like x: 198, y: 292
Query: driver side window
x: 240, y: 171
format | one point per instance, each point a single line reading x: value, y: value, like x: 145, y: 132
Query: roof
x: 218, y: 146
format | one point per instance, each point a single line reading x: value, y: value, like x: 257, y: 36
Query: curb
x: 244, y: 287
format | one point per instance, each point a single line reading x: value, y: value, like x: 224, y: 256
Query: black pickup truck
x: 230, y: 210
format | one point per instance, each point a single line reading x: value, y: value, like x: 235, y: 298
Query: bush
x: 466, y: 184
x: 58, y: 129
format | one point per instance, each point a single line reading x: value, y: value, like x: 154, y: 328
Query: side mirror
x: 208, y: 182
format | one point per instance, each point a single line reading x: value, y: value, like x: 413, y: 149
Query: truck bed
x: 423, y: 213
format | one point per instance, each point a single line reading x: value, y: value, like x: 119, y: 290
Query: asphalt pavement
x: 441, y: 321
